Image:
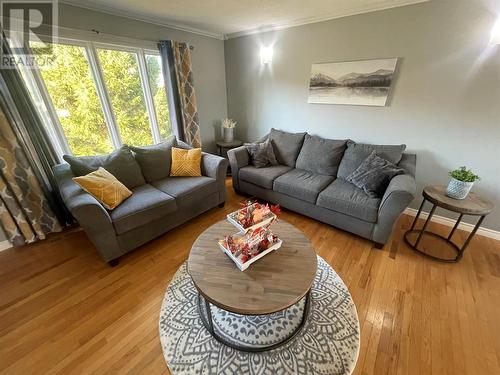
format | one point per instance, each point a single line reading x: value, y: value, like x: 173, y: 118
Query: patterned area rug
x: 327, y: 344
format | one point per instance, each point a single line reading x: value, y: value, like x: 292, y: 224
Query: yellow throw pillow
x: 186, y: 162
x: 104, y: 187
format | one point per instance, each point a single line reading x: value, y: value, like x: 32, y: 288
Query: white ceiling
x: 231, y: 18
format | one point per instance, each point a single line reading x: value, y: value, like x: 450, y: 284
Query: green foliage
x: 73, y: 92
x: 464, y: 174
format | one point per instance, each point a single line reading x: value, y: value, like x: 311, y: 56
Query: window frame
x: 90, y: 49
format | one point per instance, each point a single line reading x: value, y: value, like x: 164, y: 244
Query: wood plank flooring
x: 64, y: 311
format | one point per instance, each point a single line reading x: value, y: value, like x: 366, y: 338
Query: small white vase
x: 458, y: 189
x: 228, y: 134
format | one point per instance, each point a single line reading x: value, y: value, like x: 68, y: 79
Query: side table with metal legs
x: 472, y: 205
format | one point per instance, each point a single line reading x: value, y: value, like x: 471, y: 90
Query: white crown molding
x: 316, y: 19
x: 4, y: 245
x: 141, y: 17
x: 182, y: 27
x: 482, y: 231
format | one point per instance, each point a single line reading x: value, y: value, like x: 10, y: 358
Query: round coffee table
x: 473, y: 205
x: 271, y: 284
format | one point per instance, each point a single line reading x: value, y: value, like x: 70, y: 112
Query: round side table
x: 224, y: 147
x: 473, y: 205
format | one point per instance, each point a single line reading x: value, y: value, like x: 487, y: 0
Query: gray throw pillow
x: 356, y: 153
x: 120, y: 163
x: 261, y: 154
x: 374, y: 175
x: 320, y: 155
x: 286, y: 146
x: 155, y: 160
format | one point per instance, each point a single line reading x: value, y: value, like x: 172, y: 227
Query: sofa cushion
x: 302, y: 184
x: 343, y: 197
x: 286, y: 146
x: 356, y: 153
x: 187, y: 188
x: 320, y: 155
x: 263, y: 177
x: 146, y: 204
x: 120, y: 163
x: 155, y: 160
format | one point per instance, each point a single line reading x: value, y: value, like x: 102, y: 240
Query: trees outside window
x: 98, y: 97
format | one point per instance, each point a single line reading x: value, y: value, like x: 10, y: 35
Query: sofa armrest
x: 399, y: 194
x: 90, y: 214
x: 238, y: 158
x: 215, y: 167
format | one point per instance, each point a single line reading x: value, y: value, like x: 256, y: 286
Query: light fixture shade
x: 495, y: 33
x: 266, y: 54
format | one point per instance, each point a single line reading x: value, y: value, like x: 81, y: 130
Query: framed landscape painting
x: 364, y: 82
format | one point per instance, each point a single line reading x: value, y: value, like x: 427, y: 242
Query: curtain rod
x: 97, y: 32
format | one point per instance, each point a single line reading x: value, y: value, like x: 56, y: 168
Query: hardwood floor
x: 62, y: 310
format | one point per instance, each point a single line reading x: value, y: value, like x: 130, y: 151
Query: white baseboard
x: 4, y: 245
x: 450, y: 222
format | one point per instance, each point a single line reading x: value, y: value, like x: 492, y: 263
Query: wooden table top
x: 233, y: 144
x: 473, y: 204
x: 271, y: 284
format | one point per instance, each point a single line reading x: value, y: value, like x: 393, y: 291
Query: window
x: 100, y: 96
x: 76, y: 102
x: 157, y: 84
x: 123, y: 83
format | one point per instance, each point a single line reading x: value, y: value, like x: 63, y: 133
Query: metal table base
x: 209, y: 325
x: 459, y: 250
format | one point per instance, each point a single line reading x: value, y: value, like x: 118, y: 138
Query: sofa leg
x: 378, y: 245
x: 221, y: 205
x: 114, y: 262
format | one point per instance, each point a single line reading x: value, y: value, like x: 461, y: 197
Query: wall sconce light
x: 266, y: 55
x: 495, y: 33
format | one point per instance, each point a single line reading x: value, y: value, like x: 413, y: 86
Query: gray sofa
x: 311, y: 179
x: 155, y: 207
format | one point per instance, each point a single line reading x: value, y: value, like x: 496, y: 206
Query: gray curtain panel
x: 178, y: 76
x: 21, y: 113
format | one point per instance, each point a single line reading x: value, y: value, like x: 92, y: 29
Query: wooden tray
x: 244, y: 266
x: 232, y: 219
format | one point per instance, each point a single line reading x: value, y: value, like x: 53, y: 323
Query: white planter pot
x: 228, y: 134
x: 458, y: 189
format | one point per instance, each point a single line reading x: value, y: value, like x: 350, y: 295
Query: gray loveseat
x: 158, y: 203
x: 311, y: 179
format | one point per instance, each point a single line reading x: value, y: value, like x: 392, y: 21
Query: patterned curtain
x: 25, y: 121
x: 178, y: 75
x: 24, y: 213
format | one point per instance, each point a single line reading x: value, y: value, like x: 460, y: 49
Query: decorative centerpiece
x: 253, y: 215
x: 255, y: 238
x: 228, y: 126
x: 461, y: 182
x: 246, y: 248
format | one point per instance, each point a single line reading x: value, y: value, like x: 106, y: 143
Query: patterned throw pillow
x: 374, y: 175
x: 186, y: 162
x: 261, y: 154
x: 104, y: 187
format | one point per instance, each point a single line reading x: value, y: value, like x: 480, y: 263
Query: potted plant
x: 228, y: 126
x: 461, y: 182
